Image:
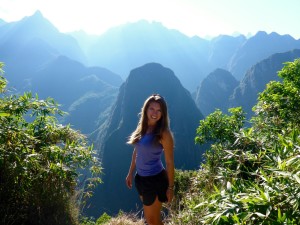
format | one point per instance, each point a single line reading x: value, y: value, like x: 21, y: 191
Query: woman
x: 154, y: 183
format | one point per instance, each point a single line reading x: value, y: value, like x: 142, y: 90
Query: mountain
x: 256, y: 78
x: 113, y: 195
x: 133, y: 44
x: 18, y: 39
x: 76, y: 70
x: 21, y: 65
x: 41, y: 59
x: 84, y: 40
x: 84, y: 92
x: 257, y: 48
x: 128, y: 46
x: 91, y: 110
x: 125, y: 47
x: 214, y: 91
x: 222, y: 48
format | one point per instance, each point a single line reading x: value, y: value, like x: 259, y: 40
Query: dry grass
x: 133, y: 219
x: 125, y: 220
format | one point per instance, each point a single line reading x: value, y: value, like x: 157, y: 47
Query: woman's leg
x: 152, y: 213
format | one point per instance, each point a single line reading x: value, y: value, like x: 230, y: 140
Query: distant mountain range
x: 101, y: 81
x: 256, y: 78
x: 125, y: 47
x: 220, y: 90
x: 39, y: 58
x: 122, y: 48
x: 84, y: 92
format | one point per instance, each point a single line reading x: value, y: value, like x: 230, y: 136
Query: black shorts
x: 151, y: 186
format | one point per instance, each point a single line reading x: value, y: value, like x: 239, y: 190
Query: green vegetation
x: 39, y: 162
x: 250, y: 174
x: 120, y: 219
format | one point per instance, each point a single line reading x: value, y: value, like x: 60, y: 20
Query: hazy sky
x: 192, y: 17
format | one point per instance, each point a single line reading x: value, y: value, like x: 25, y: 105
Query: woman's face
x: 153, y: 113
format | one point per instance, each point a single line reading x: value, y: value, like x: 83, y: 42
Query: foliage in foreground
x: 120, y: 219
x: 39, y: 162
x: 251, y: 175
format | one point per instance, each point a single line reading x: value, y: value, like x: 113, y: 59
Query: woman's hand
x: 170, y: 194
x: 129, y: 180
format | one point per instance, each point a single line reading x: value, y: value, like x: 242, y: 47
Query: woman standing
x: 152, y: 137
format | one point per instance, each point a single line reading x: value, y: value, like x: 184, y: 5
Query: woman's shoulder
x: 167, y: 135
x: 167, y: 140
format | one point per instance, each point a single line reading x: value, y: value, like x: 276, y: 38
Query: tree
x: 251, y: 174
x: 279, y: 104
x: 40, y: 162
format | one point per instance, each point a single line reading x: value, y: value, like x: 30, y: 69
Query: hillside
x: 256, y: 78
x: 214, y: 91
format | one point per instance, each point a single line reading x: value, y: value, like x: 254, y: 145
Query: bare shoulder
x: 167, y: 134
x: 167, y: 138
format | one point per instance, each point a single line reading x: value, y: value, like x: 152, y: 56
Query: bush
x: 39, y: 162
x: 251, y: 175
x: 104, y: 218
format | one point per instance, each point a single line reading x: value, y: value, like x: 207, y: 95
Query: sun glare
x: 192, y: 17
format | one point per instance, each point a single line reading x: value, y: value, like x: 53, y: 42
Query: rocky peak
x: 215, y: 90
x: 116, y: 154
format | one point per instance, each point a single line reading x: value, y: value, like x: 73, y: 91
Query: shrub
x: 39, y: 162
x: 251, y: 175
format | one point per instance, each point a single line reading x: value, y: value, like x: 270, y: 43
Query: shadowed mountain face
x: 84, y: 92
x: 220, y: 90
x: 257, y: 48
x: 255, y: 80
x: 215, y: 91
x: 151, y: 78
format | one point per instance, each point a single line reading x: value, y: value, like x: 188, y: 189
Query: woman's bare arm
x: 131, y: 170
x: 168, y: 145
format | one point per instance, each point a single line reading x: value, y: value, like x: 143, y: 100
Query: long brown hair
x: 161, y: 125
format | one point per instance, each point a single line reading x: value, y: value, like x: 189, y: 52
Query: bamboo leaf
x: 296, y: 178
x: 4, y: 114
x: 268, y: 211
x: 259, y: 214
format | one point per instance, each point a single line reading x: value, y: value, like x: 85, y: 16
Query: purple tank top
x: 148, y: 156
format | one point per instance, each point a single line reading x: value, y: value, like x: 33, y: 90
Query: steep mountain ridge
x: 16, y: 35
x: 41, y: 59
x: 215, y: 90
x: 222, y: 48
x: 256, y: 78
x: 143, y: 81
x: 84, y: 92
x: 220, y: 90
x: 257, y: 48
x: 131, y: 45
